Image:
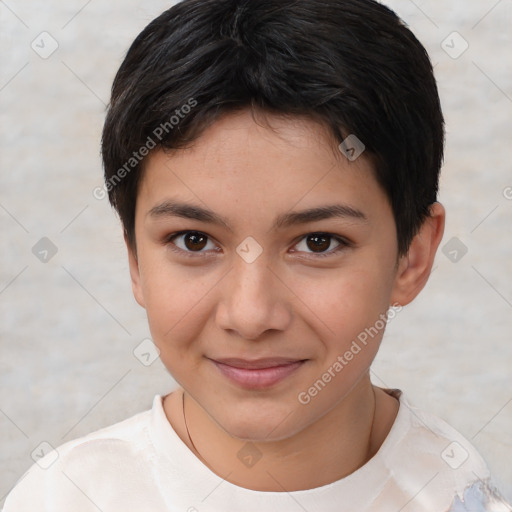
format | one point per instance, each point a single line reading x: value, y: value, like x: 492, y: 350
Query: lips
x: 256, y: 364
x: 257, y: 373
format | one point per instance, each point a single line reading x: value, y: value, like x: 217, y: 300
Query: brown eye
x: 195, y: 241
x: 191, y: 243
x: 318, y: 242
x: 321, y: 244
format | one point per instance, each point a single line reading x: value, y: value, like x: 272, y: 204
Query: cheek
x: 176, y: 301
x: 347, y: 303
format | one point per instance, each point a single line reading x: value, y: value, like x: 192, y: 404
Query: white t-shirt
x: 141, y: 464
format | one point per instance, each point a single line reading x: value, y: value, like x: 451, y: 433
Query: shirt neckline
x: 372, y: 475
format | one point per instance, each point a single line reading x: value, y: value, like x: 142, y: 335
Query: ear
x: 414, y: 268
x: 134, y: 273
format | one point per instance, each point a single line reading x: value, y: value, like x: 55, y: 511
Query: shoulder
x: 64, y: 474
x: 431, y: 455
x: 452, y: 451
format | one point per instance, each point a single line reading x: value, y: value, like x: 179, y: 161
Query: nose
x: 254, y: 300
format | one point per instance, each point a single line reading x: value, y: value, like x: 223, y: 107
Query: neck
x: 336, y: 445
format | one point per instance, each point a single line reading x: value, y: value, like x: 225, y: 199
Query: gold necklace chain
x: 369, y: 437
x: 188, y: 433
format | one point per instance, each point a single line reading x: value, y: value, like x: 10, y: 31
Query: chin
x: 260, y: 428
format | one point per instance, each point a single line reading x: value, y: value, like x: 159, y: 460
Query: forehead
x: 243, y: 163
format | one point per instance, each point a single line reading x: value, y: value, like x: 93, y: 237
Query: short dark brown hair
x: 352, y: 64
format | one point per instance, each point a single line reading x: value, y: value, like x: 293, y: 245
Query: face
x: 267, y: 246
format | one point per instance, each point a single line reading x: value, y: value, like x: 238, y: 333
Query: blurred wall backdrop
x: 70, y: 350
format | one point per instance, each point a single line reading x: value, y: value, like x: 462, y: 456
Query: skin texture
x: 290, y: 301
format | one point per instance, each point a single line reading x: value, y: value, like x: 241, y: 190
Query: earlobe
x: 135, y: 273
x: 415, y: 267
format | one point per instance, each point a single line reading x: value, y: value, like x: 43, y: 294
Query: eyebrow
x: 189, y: 211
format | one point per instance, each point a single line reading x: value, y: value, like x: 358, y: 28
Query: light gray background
x: 69, y: 326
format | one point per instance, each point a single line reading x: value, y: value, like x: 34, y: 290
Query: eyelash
x: 343, y: 244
